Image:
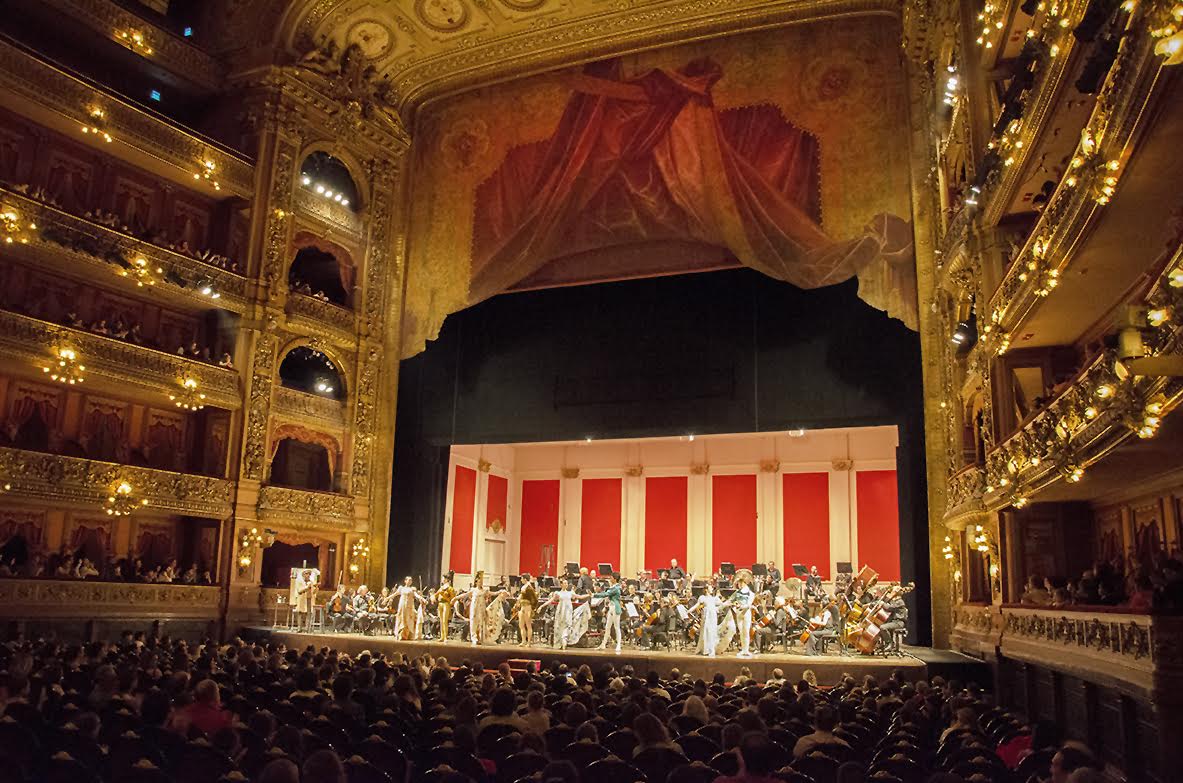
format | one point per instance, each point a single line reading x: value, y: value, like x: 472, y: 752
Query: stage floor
x: 828, y: 668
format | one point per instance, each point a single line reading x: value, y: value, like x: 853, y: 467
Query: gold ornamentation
x: 122, y: 501
x: 188, y: 397
x: 259, y: 406
x: 305, y: 509
x: 313, y: 409
x: 634, y: 471
x: 769, y: 465
x: 86, y: 483
x: 570, y: 473
x: 483, y: 465
x: 42, y: 598
x: 699, y: 468
x: 14, y: 228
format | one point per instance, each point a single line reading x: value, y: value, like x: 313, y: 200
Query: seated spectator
x: 824, y: 721
x: 205, y: 713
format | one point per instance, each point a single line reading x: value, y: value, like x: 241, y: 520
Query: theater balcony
x: 54, y: 98
x: 305, y: 509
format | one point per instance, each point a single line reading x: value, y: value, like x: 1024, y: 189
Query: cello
x: 868, y: 635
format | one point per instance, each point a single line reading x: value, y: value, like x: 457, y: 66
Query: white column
x: 513, y: 525
x: 570, y: 516
x: 841, y: 511
x: 480, y: 506
x: 698, y: 531
x: 632, y: 521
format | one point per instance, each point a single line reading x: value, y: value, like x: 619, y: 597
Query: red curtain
x: 312, y: 437
x: 733, y: 520
x: 650, y: 158
x: 26, y: 406
x: 806, y: 514
x: 463, y: 513
x: 540, y: 525
x: 666, y: 500
x: 878, y: 523
x: 93, y: 542
x: 599, y: 526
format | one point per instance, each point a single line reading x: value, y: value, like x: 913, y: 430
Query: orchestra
x: 744, y: 612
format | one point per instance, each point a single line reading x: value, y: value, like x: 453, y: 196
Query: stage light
x: 796, y: 433
x: 306, y: 180
x: 689, y: 437
x: 961, y: 334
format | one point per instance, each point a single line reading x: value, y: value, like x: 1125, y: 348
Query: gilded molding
x: 964, y: 495
x: 30, y: 341
x: 168, y: 51
x: 68, y: 242
x: 307, y: 408
x: 1072, y: 208
x: 329, y: 214
x: 263, y: 368
x: 84, y: 482
x: 41, y: 598
x: 304, y: 509
x: 315, y: 317
x: 365, y: 422
x: 53, y: 90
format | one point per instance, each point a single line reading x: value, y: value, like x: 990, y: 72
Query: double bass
x: 868, y: 635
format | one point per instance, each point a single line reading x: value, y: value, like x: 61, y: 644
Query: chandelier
x: 206, y: 173
x: 141, y: 272
x: 96, y: 124
x: 188, y: 397
x: 250, y: 542
x: 14, y: 229
x: 123, y: 502
x: 65, y: 367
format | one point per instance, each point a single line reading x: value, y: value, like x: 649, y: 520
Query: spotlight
x: 306, y: 180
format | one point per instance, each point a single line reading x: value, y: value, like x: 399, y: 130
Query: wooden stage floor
x: 828, y: 668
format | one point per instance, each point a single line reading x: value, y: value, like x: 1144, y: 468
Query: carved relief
x: 259, y: 406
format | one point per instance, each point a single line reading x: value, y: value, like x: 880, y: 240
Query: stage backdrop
x: 825, y: 497
x: 779, y: 150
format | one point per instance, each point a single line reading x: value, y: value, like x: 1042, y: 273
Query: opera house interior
x: 613, y: 390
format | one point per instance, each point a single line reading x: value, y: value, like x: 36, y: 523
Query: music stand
x: 759, y: 569
x: 605, y: 569
x: 549, y: 582
x: 634, y: 583
x: 727, y: 569
x: 667, y: 586
x: 697, y: 589
x: 572, y: 569
x: 515, y: 581
x: 845, y: 568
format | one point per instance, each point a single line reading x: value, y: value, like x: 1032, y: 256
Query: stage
x: 917, y: 663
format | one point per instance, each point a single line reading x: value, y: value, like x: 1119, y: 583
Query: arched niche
x: 328, y: 177
x: 303, y: 458
x: 310, y: 370
x: 322, y: 269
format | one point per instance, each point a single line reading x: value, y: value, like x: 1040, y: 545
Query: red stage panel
x: 540, y: 524
x: 733, y: 514
x: 463, y: 511
x: 497, y: 505
x: 599, y: 530
x: 878, y: 523
x: 665, y: 521
x: 806, y: 521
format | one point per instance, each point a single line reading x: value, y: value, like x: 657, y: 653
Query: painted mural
x: 780, y: 150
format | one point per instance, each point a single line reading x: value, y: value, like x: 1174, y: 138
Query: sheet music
x: 631, y: 610
x: 682, y: 613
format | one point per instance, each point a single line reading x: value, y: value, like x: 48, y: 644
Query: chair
x: 613, y: 770
x: 69, y: 770
x: 684, y: 724
x: 713, y: 731
x: 445, y: 776
x: 359, y: 770
x: 520, y: 765
x: 582, y: 754
x: 784, y: 738
x: 493, y: 732
x: 902, y: 767
x: 692, y: 773
x: 505, y: 747
x: 557, y: 738
x: 725, y: 763
x: 1037, y: 763
x: 790, y: 775
x: 657, y: 762
x: 130, y: 749
x: 200, y: 762
x: 460, y: 760
x: 383, y: 755
x: 621, y: 743
x: 818, y: 766
x: 834, y: 750
x: 698, y: 748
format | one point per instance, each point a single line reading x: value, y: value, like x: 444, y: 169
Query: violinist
x: 825, y: 626
x: 363, y: 617
x: 661, y: 625
x: 813, y: 585
x: 772, y: 624
x: 336, y: 609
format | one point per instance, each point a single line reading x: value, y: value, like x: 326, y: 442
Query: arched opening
x: 302, y: 465
x: 279, y: 559
x: 319, y: 274
x: 308, y: 370
x: 329, y: 179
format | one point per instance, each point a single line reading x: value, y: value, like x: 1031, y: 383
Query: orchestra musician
x: 773, y: 624
x: 897, y: 609
x: 406, y: 618
x: 825, y: 625
x: 612, y: 617
x: 584, y: 585
x: 444, y: 595
x: 773, y: 579
x: 676, y: 573
x: 363, y: 617
x: 660, y: 628
x: 526, y: 604
x: 813, y: 585
x: 338, y: 609
x: 383, y: 608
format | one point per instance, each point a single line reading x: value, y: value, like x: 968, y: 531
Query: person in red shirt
x: 205, y: 713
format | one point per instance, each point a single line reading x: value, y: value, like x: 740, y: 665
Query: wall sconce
x: 122, y: 502
x: 359, y: 554
x: 135, y: 40
x: 250, y: 543
x: 188, y: 397
x: 1169, y: 35
x: 14, y: 228
x: 65, y: 367
x: 140, y: 271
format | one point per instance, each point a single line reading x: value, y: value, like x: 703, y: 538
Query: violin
x: 338, y: 604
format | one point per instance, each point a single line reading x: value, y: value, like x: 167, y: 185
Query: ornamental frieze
x: 312, y: 316
x: 33, y: 341
x: 28, y: 598
x: 59, y: 93
x: 75, y: 481
x: 259, y: 405
x: 305, y: 509
x: 309, y: 408
x: 1119, y: 635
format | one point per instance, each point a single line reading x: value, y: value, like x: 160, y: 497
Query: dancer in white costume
x: 495, y: 620
x: 406, y: 619
x: 708, y: 637
x: 478, y: 601
x: 565, y: 614
x: 742, y: 599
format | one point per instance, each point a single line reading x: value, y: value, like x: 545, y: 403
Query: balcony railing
x: 76, y: 482
x: 60, y: 94
x: 32, y: 341
x: 1097, y: 642
x: 311, y: 408
x: 302, y: 508
x: 66, y: 241
x: 59, y: 599
x: 329, y: 212
x: 322, y: 318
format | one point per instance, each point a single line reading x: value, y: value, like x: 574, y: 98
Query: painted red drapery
x: 311, y: 437
x: 651, y: 158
